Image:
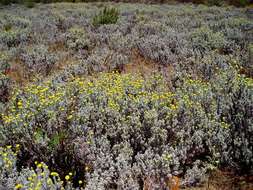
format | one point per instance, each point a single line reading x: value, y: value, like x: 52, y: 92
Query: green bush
x: 106, y: 16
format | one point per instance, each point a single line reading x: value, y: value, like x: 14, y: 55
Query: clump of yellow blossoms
x: 114, y: 86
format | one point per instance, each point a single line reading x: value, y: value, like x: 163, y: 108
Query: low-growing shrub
x: 250, y: 54
x: 164, y: 50
x: 39, y: 177
x: 204, y: 39
x: 106, y: 16
x: 235, y: 101
x: 14, y: 30
x: 4, y: 62
x: 38, y: 59
x: 12, y: 38
x: 78, y: 39
x: 5, y: 88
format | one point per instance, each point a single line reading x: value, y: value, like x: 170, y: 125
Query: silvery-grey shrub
x: 38, y: 59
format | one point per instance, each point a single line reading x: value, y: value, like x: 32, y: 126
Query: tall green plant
x: 106, y: 16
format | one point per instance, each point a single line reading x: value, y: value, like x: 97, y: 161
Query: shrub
x: 156, y: 49
x: 5, y: 87
x: 233, y: 93
x: 162, y: 49
x: 14, y: 30
x: 210, y: 64
x: 250, y: 53
x: 204, y: 39
x: 11, y: 38
x: 4, y: 62
x: 39, y: 177
x: 78, y: 39
x: 38, y: 59
x: 106, y: 16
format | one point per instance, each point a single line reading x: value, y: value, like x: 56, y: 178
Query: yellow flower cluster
x: 7, y: 157
x: 38, y: 98
x: 247, y: 81
x: 114, y: 87
x: 40, y: 178
x: 198, y: 83
x: 224, y: 125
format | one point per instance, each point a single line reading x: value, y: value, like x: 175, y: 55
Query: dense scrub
x: 79, y: 120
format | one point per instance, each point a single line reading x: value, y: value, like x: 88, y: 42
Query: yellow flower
x: 18, y: 186
x: 70, y: 117
x: 80, y: 182
x: 67, y: 177
x: 20, y: 104
x: 39, y: 165
x: 54, y: 174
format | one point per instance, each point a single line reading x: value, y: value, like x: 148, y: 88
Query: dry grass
x: 18, y: 72
x: 226, y: 181
x: 146, y: 67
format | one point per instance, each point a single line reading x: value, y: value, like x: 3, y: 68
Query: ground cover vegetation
x: 124, y: 96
